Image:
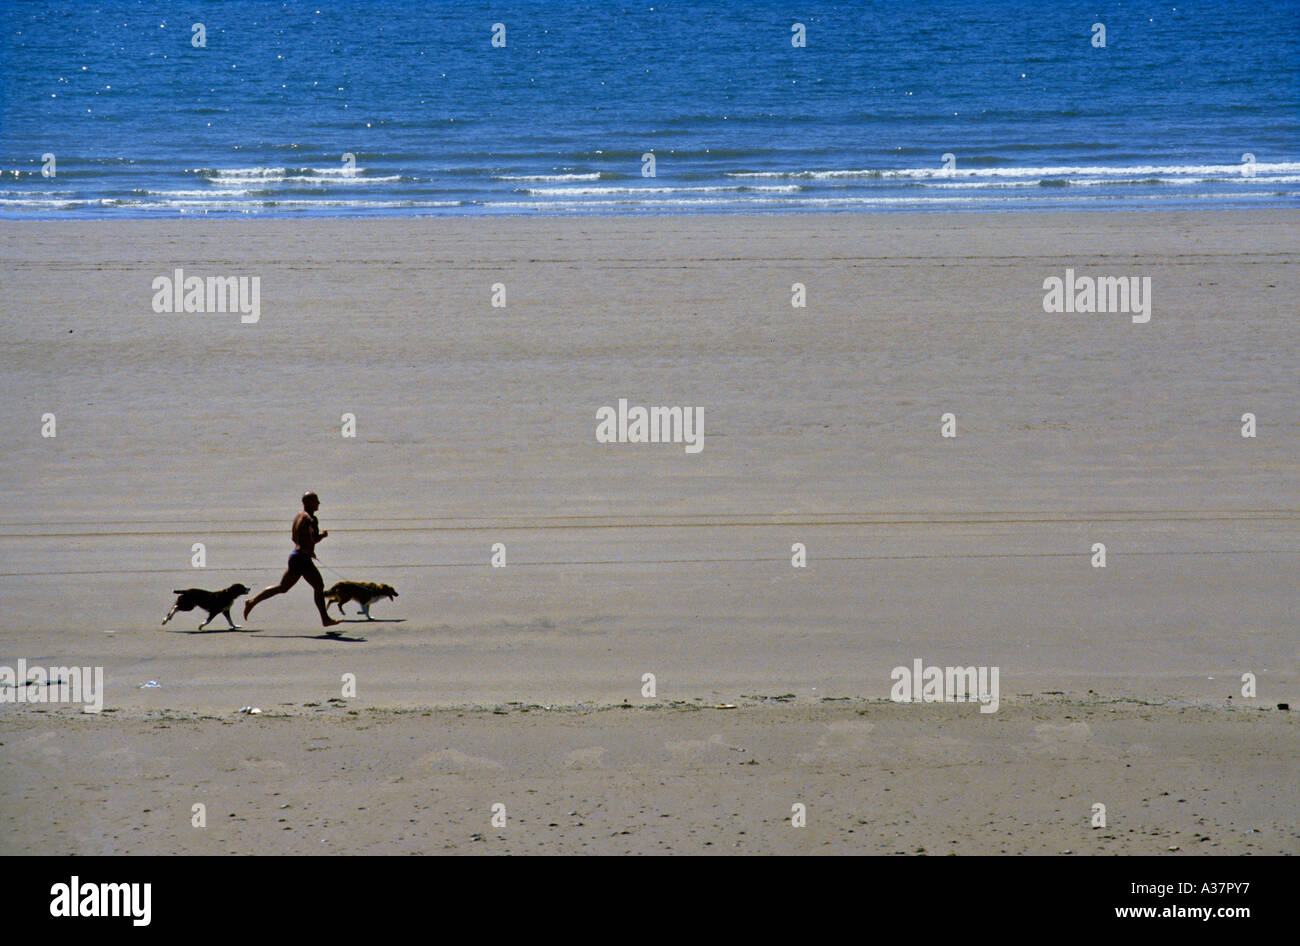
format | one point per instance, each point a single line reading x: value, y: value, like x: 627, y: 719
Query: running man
x: 306, y: 533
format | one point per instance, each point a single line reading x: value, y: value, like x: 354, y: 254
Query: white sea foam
x: 233, y: 192
x: 273, y: 204
x: 615, y: 190
x: 552, y: 178
x: 39, y: 202
x: 358, y: 179
x: 1056, y: 171
x: 836, y: 202
x: 234, y: 177
x: 258, y: 173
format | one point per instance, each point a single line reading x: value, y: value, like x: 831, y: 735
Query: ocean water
x: 398, y: 108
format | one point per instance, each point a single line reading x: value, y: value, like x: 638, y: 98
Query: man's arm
x: 310, y: 524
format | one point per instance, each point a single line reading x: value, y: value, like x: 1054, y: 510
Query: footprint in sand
x: 1051, y: 734
x: 122, y: 760
x: 255, y: 764
x: 455, y: 761
x: 844, y: 737
x: 592, y: 757
x: 713, y: 749
x: 943, y: 749
x: 1068, y: 740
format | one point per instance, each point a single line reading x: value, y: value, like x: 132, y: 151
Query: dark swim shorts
x: 300, y: 562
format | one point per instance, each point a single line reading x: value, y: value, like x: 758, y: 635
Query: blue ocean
x: 242, y: 108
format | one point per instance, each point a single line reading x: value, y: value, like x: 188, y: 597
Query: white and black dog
x: 214, y: 602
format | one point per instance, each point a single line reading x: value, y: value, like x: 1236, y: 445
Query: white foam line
x: 851, y: 201
x: 238, y: 192
x: 243, y: 172
x: 1143, y: 170
x: 612, y: 191
x: 594, y: 176
x: 304, y: 179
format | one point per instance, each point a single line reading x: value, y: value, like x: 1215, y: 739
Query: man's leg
x: 318, y: 586
x: 287, y: 581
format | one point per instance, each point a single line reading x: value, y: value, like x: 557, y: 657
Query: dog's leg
x: 228, y: 621
x: 365, y: 609
x: 169, y: 614
x: 208, y: 621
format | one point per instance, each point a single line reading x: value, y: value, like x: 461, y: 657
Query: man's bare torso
x: 304, y: 534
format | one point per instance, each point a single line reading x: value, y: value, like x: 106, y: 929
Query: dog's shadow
x: 319, y: 637
x: 207, y: 630
x: 372, y: 621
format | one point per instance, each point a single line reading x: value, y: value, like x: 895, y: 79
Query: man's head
x: 310, y: 502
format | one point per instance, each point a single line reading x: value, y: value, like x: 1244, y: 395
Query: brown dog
x: 362, y: 592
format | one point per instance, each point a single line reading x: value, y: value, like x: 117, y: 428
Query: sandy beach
x: 476, y: 425
x: 874, y: 778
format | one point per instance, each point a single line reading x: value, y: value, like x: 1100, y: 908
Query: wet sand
x: 476, y: 425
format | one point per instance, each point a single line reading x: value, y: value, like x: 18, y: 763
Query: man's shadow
x: 322, y: 636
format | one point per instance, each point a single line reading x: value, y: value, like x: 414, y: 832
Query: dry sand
x: 476, y: 425
x: 875, y: 778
